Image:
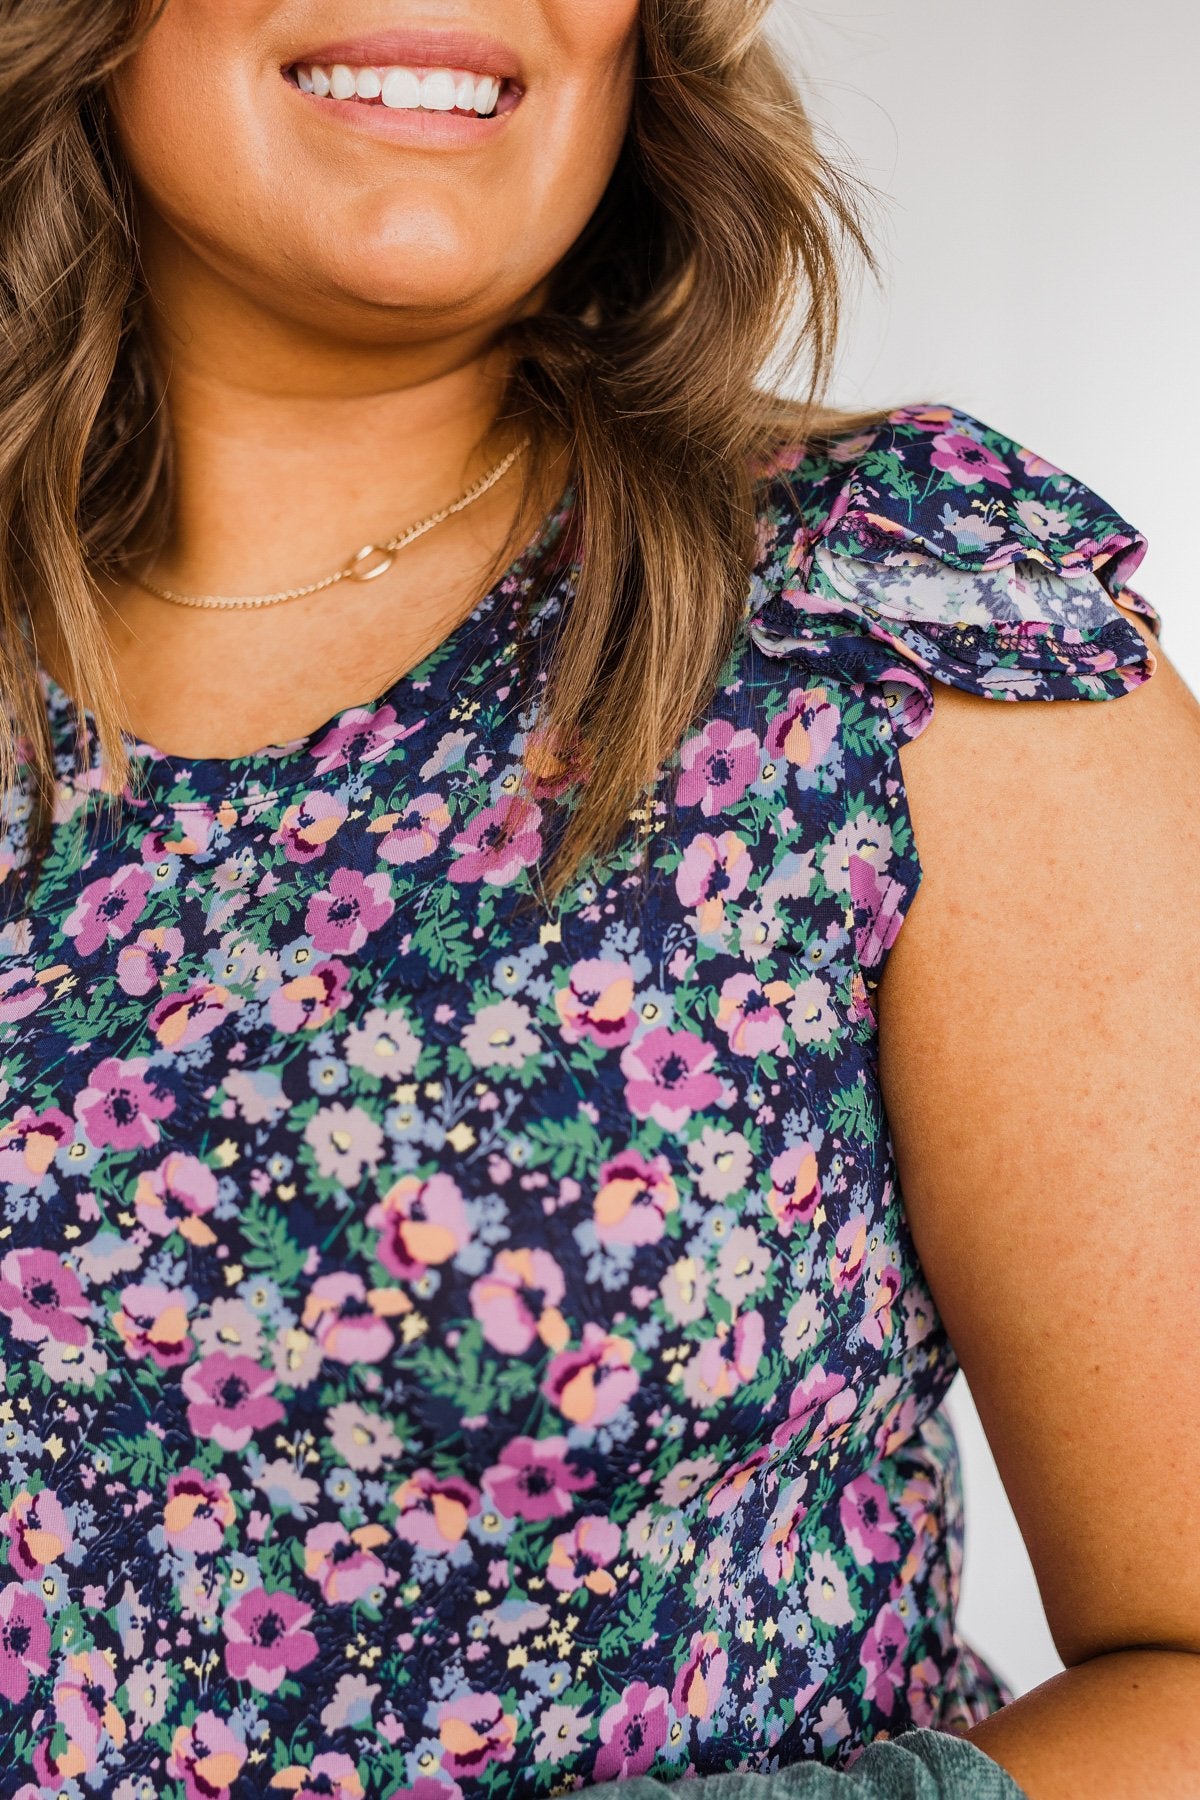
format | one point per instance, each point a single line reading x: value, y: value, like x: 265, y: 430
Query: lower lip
x: 426, y: 130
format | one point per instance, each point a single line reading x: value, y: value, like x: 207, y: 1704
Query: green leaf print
x: 271, y: 1246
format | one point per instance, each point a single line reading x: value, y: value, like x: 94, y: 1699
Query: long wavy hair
x: 718, y: 246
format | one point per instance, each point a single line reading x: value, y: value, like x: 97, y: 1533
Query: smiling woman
x: 462, y: 1030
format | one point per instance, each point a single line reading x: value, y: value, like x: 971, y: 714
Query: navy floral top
x: 453, y: 1349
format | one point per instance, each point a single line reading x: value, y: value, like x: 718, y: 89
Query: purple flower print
x: 783, y: 1542
x: 30, y: 1142
x: 309, y: 1001
x: 330, y: 1776
x: 635, y: 1197
x: 182, y: 1019
x: 746, y: 1013
x: 426, y: 1787
x: 108, y: 908
x: 880, y: 902
x: 597, y: 1003
x: 721, y: 1363
x: 307, y: 828
x: 230, y: 1399
x: 589, y: 1386
x: 498, y: 843
x: 120, y: 1107
x: 518, y: 1300
x: 718, y: 764
x: 882, y: 1656
x: 414, y: 833
x: 795, y: 1190
x: 421, y: 1223
x: 42, y: 1299
x: 363, y: 731
x: 806, y: 730
x: 153, y: 1322
x: 21, y: 993
x: 849, y: 1254
x: 38, y: 1532
x: 199, y: 1510
x: 632, y: 1732
x: 142, y: 964
x: 475, y: 1731
x: 712, y: 871
x: 433, y: 1511
x: 24, y: 1640
x: 668, y: 1076
x: 207, y: 1756
x: 580, y: 1557
x: 868, y: 1521
x: 266, y: 1638
x: 342, y: 1562
x: 175, y: 1196
x: 346, y: 1321
x: 700, y: 1682
x: 84, y: 1686
x: 967, y: 461
x: 819, y: 1407
x: 879, y: 1319
x: 343, y: 915
x: 533, y: 1479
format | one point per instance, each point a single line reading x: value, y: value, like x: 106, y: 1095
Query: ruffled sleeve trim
x: 933, y: 549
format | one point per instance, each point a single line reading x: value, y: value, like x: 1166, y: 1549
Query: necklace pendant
x: 363, y: 569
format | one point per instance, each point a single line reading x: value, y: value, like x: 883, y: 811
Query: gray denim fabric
x: 919, y: 1765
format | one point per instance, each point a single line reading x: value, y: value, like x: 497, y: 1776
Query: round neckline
x: 276, y: 768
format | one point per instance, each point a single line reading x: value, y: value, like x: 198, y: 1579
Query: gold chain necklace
x: 367, y: 564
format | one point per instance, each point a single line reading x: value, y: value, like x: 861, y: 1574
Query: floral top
x: 454, y: 1349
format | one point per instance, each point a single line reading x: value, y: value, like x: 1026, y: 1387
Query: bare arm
x: 1040, y: 1044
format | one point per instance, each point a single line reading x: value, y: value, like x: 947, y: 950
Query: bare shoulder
x: 1040, y: 1059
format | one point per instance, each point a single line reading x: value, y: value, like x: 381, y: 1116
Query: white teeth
x: 432, y: 90
x: 401, y: 89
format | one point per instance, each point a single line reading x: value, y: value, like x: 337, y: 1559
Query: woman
x: 467, y: 1030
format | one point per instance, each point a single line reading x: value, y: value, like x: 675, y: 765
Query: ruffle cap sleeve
x: 931, y: 548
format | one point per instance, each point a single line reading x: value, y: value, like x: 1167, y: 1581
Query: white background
x: 1035, y: 166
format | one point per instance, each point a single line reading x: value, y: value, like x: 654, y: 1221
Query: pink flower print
x: 499, y: 843
x: 632, y: 1732
x: 731, y: 1484
x: 668, y: 1076
x: 342, y: 1562
x: 198, y: 1511
x: 795, y: 1191
x: 879, y: 1320
x: 421, y: 1222
x: 415, y: 833
x: 819, y: 1409
x: 924, y: 1693
x: 806, y: 730
x: 1036, y: 467
x: 580, y: 1557
x: 343, y: 915
x: 365, y: 731
x: 120, y: 1107
x: 533, y: 1479
x: 207, y: 1757
x: 746, y: 1013
x: 720, y: 1364
x: 346, y: 1321
x: 518, y: 1300
x: 142, y: 964
x: 182, y: 1019
x: 849, y: 1253
x: 880, y: 901
x: 331, y: 1776
x: 38, y: 1532
x: 175, y: 1196
x: 712, y: 871
x: 24, y: 1641
x: 475, y: 1731
x: 589, y: 1386
x: 966, y: 460
x: 152, y: 1321
x: 230, y: 1399
x: 425, y: 1787
x: 266, y: 1638
x: 635, y: 1197
x: 108, y: 908
x: 22, y: 992
x: 31, y: 1141
x: 784, y: 1540
x: 827, y: 1591
x: 597, y: 1003
x: 310, y: 1000
x: 868, y: 1521
x: 433, y: 1511
x: 83, y: 1704
x: 700, y: 1682
x: 882, y: 1656
x: 309, y: 826
x: 717, y: 766
x: 42, y: 1299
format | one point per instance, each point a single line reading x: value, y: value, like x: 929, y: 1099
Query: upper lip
x: 431, y: 47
